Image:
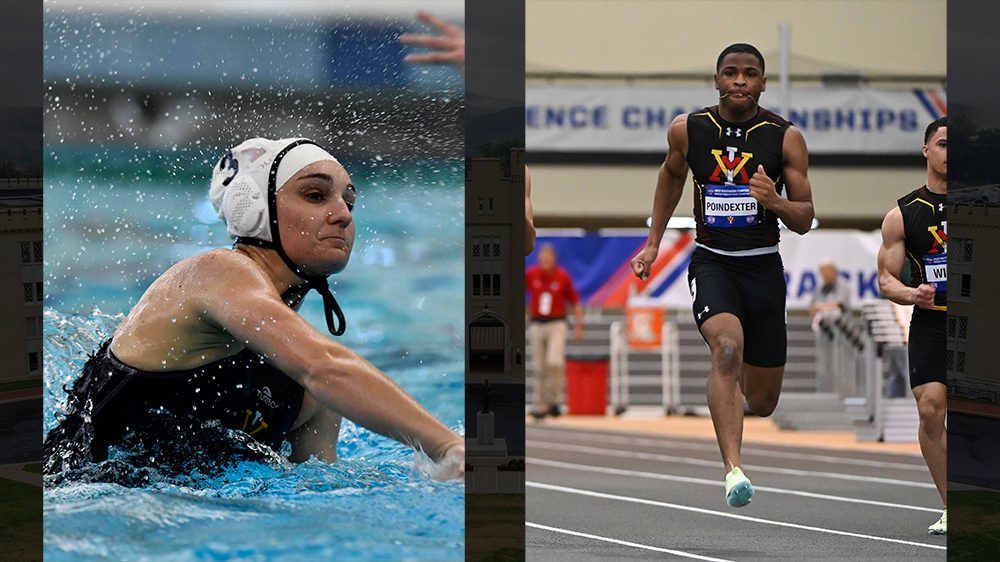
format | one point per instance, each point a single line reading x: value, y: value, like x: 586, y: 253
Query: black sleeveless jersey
x: 722, y: 157
x: 924, y: 224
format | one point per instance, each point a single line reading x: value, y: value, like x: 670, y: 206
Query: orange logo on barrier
x: 644, y: 327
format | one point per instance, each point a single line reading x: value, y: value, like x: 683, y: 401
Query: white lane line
x: 747, y: 467
x: 718, y: 484
x: 644, y: 501
x: 750, y: 448
x: 625, y: 543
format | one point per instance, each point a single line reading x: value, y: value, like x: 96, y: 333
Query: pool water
x: 112, y: 228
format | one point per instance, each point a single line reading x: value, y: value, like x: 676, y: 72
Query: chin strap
x: 330, y: 305
x: 320, y: 284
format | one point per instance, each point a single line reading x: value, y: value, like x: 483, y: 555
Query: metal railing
x: 618, y: 368
x: 864, y: 361
x: 896, y: 413
x: 839, y: 349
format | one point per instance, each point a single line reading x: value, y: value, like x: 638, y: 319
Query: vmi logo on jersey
x: 940, y: 245
x: 732, y: 164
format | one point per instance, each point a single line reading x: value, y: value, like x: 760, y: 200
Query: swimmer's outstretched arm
x: 669, y: 188
x: 340, y: 379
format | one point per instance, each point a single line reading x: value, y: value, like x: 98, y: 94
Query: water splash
x: 131, y: 507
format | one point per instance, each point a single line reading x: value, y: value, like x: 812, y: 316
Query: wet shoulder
x: 216, y: 268
x: 171, y: 320
x: 198, y: 283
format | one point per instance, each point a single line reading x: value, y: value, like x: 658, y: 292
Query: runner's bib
x: 545, y: 304
x: 936, y: 271
x: 729, y: 206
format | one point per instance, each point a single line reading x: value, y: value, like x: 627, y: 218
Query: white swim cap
x: 247, y: 179
x: 244, y: 190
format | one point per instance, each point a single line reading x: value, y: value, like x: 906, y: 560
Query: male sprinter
x: 914, y: 232
x: 741, y: 157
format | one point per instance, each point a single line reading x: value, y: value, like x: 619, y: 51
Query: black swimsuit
x: 112, y: 400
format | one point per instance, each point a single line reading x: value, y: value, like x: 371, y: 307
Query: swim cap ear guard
x: 245, y: 201
x: 244, y: 193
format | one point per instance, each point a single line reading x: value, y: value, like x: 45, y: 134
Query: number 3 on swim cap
x: 231, y: 163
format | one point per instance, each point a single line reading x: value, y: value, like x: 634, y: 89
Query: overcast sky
x: 21, y: 48
x: 972, y: 47
x: 495, y: 52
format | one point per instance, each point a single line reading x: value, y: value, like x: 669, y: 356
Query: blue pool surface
x: 112, y: 228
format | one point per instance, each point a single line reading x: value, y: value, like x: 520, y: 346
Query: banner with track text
x: 635, y: 119
x: 599, y: 265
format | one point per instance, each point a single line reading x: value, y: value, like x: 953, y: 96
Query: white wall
x: 890, y: 36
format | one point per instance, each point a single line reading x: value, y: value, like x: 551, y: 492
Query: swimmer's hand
x: 924, y: 296
x: 643, y: 261
x: 449, y: 466
x: 450, y: 44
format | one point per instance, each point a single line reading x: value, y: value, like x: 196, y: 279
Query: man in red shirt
x: 550, y: 288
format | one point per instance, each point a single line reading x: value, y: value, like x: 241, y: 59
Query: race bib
x: 936, y: 271
x: 729, y: 205
x: 545, y: 304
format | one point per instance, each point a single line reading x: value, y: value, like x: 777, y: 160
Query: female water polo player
x: 216, y: 345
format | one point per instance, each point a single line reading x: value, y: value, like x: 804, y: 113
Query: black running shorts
x: 927, y: 347
x: 750, y: 287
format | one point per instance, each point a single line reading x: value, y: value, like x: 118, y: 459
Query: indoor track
x: 609, y: 495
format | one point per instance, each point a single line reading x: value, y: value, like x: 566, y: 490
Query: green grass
x: 20, y: 522
x: 505, y: 555
x: 494, y: 527
x: 973, y: 520
x: 21, y: 385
